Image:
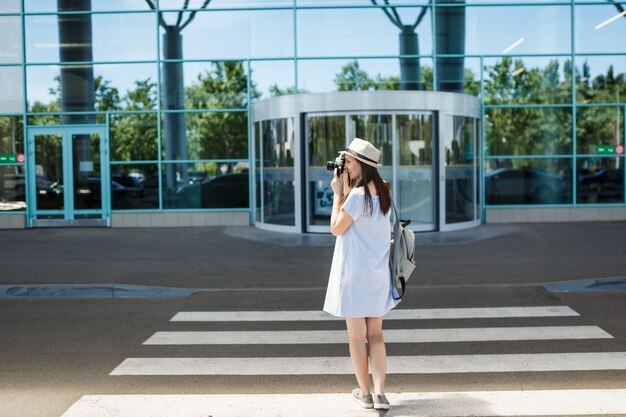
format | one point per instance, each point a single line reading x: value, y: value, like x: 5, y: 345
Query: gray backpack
x: 402, y: 255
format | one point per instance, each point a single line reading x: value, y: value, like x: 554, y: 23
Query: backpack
x: 402, y: 254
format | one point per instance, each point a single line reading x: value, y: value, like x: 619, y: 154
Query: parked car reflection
x: 224, y: 191
x: 523, y: 186
x: 88, y: 195
x: 603, y: 186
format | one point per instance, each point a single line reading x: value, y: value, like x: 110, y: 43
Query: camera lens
x: 330, y: 165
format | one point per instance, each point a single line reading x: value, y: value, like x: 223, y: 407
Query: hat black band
x: 350, y: 151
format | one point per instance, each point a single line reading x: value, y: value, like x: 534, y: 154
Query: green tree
x: 219, y: 135
x: 527, y: 131
x: 275, y: 90
x: 134, y: 136
x: 353, y: 78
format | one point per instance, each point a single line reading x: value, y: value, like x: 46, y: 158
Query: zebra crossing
x: 410, y: 336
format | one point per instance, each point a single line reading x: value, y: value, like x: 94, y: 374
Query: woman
x: 359, y: 287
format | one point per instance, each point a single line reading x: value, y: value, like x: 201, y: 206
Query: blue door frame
x: 68, y: 214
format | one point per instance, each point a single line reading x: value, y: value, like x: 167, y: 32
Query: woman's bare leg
x: 357, y: 337
x: 377, y: 352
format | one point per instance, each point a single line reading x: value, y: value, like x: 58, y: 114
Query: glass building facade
x: 138, y: 112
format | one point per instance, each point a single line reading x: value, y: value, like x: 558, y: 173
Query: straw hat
x: 363, y: 151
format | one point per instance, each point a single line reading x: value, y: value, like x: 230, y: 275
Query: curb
x: 90, y: 291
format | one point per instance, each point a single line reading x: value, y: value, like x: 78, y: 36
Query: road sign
x: 21, y: 158
x: 7, y: 158
x: 605, y: 149
x: 619, y: 149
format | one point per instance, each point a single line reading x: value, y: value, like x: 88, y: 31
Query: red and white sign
x: 619, y: 149
x: 20, y: 158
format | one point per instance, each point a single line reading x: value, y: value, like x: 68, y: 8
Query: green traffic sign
x: 605, y: 149
x: 8, y: 158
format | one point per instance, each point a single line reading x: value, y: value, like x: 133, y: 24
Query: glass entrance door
x: 68, y: 176
x: 408, y: 152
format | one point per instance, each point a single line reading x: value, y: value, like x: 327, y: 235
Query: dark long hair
x: 370, y: 173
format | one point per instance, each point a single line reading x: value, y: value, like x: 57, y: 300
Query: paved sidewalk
x: 245, y: 257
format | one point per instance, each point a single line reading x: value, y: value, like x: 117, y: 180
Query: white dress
x: 360, y: 282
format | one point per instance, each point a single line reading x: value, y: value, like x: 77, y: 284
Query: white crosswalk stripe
x: 433, y: 404
x: 483, y: 403
x: 399, y: 314
x: 433, y: 364
x: 480, y: 334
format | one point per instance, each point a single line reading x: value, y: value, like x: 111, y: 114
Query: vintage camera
x: 337, y: 164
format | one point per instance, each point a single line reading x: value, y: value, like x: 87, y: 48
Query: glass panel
x: 87, y: 172
x: 10, y: 6
x: 10, y: 40
x: 39, y: 6
x: 416, y: 187
x: 230, y: 35
x: 318, y: 76
x: 599, y: 180
x: 528, y: 131
x: 597, y: 128
x: 278, y: 171
x: 459, y: 160
x: 206, y: 185
x: 310, y: 3
x: 362, y: 32
x: 377, y: 129
x: 500, y: 30
x: 223, y: 4
x: 257, y: 166
x: 508, y: 1
x: 477, y: 172
x: 528, y: 80
x: 12, y: 188
x: 12, y: 87
x: 97, y: 87
x: 47, y: 119
x: 134, y: 187
x: 595, y: 30
x: 528, y: 181
x: 11, y: 135
x: 108, y: 38
x: 460, y: 75
x: 134, y: 137
x: 600, y: 79
x: 49, y: 172
x: 273, y: 78
x: 326, y: 137
x: 207, y: 85
x: 205, y: 136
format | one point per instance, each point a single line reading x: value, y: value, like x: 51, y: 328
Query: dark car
x: 523, y: 186
x: 225, y: 191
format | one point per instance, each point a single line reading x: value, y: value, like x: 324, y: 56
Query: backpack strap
x: 395, y: 253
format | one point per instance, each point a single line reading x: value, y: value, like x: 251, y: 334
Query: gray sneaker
x: 381, y: 402
x: 364, y: 401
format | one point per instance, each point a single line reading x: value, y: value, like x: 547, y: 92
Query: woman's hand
x: 340, y: 184
x: 337, y: 184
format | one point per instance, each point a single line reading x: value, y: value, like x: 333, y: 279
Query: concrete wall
x: 171, y: 219
x: 556, y: 214
x: 12, y: 221
x: 492, y: 216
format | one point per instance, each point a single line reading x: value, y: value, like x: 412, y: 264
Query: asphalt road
x: 217, y: 257
x: 54, y: 351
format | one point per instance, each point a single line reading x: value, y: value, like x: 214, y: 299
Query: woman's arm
x: 339, y: 219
